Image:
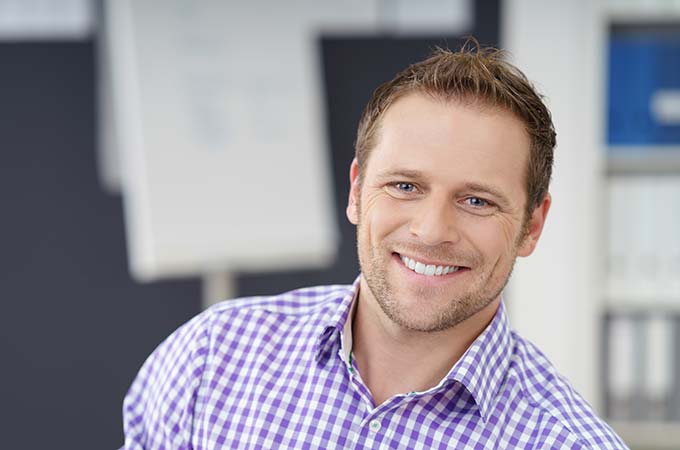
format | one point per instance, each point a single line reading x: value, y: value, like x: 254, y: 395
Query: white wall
x: 555, y: 295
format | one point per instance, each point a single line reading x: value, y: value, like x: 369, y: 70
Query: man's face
x: 440, y: 211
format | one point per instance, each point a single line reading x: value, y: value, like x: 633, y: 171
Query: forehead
x: 452, y: 142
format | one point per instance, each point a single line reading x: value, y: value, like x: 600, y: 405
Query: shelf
x: 636, y: 15
x: 643, y: 160
x: 649, y: 435
x: 638, y: 307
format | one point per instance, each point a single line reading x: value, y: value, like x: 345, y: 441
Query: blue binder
x: 644, y: 73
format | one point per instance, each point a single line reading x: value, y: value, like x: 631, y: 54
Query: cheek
x: 383, y: 219
x: 492, y: 237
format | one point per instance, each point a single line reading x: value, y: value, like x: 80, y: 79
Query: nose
x: 434, y: 222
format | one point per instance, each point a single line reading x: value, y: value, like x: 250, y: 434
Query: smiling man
x: 440, y: 206
x: 449, y: 186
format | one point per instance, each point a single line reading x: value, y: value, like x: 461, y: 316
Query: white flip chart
x: 220, y: 123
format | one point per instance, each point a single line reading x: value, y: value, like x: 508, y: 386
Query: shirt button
x: 374, y: 425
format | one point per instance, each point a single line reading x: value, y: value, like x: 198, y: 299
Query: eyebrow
x: 401, y: 173
x: 481, y: 187
x: 469, y: 186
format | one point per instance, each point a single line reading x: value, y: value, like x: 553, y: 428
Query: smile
x: 427, y: 269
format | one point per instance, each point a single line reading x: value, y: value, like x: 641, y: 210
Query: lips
x: 428, y: 269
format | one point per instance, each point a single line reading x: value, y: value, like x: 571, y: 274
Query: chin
x: 417, y: 317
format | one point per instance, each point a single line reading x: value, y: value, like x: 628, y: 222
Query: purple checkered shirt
x: 272, y: 372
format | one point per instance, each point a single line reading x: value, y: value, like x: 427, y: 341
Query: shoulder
x: 244, y: 319
x: 298, y: 302
x: 556, y: 401
x: 304, y: 306
x: 159, y: 406
x: 248, y: 321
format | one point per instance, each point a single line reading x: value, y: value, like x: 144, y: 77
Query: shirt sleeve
x: 158, y: 410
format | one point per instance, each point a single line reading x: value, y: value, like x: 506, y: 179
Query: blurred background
x: 158, y: 157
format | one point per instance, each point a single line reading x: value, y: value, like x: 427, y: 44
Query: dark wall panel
x: 74, y: 328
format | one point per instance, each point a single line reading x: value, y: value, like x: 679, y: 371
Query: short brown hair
x: 478, y: 76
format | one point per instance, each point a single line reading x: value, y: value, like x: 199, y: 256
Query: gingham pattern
x: 268, y: 372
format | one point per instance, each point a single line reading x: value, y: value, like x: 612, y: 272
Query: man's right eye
x: 403, y: 190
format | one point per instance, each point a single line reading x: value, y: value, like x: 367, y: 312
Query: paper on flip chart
x: 221, y: 131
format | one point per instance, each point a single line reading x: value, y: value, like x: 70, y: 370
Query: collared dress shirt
x: 275, y: 373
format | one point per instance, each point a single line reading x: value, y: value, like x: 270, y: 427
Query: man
x: 449, y: 186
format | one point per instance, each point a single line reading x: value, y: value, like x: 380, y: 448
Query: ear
x: 352, y: 202
x: 535, y: 227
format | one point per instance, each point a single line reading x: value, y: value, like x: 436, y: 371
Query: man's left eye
x: 477, y: 202
x: 405, y: 187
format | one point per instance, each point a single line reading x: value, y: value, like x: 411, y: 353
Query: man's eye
x: 405, y: 187
x: 477, y: 202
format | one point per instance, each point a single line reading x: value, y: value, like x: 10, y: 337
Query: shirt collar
x: 339, y: 323
x: 480, y: 370
x: 483, y: 366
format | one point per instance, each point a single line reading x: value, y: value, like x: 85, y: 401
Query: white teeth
x: 427, y: 269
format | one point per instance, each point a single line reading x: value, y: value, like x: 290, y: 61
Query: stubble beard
x: 456, y: 310
x: 431, y: 317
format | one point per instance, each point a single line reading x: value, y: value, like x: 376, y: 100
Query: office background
x: 76, y: 323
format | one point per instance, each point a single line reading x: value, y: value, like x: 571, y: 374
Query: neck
x: 393, y: 360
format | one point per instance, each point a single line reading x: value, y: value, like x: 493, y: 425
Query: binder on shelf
x: 645, y: 270
x: 643, y: 242
x: 674, y: 414
x: 658, y: 366
x: 643, y: 88
x: 617, y: 238
x: 671, y: 233
x: 621, y: 380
